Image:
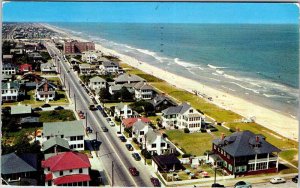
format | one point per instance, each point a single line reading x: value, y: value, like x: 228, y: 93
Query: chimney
x: 222, y: 136
x: 256, y: 138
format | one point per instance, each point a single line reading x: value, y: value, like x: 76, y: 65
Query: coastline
x: 268, y: 118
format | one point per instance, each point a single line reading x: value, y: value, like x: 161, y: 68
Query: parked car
x: 104, y: 129
x: 111, y: 123
x: 242, y: 184
x: 59, y: 108
x: 155, y: 182
x: 129, y: 147
x: 215, y: 185
x: 133, y: 171
x: 37, y: 109
x: 295, y: 179
x: 277, y: 180
x: 46, y: 105
x: 108, y: 119
x: 99, y: 107
x: 136, y: 156
x: 89, y: 130
x: 122, y: 138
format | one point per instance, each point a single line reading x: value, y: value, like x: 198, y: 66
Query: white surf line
x: 100, y: 126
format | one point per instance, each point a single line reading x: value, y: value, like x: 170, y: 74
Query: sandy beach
x: 280, y: 123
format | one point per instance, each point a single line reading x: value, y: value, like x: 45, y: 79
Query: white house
x: 109, y: 67
x: 85, y: 69
x: 67, y: 169
x: 9, y: 69
x: 91, y: 56
x: 142, y: 90
x: 155, y: 143
x: 11, y: 91
x: 182, y: 116
x: 72, y: 131
x: 45, y: 91
x: 123, y: 111
x: 48, y: 68
x: 139, y: 130
x: 97, y: 83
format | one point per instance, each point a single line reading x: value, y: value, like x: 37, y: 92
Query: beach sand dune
x: 280, y: 123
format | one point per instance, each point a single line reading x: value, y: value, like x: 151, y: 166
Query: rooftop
x: 20, y: 109
x: 66, y: 128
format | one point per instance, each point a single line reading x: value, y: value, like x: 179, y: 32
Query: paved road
x: 111, y: 148
x: 288, y: 184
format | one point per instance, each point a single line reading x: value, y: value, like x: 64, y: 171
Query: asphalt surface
x: 111, y: 148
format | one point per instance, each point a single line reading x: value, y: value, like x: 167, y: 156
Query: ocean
x: 259, y: 63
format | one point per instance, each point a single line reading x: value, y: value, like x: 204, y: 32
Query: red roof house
x: 68, y: 169
x: 25, y: 68
x: 128, y: 122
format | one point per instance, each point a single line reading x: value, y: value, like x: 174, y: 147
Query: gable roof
x: 110, y: 64
x: 45, y: 81
x: 165, y: 160
x: 12, y: 163
x: 55, y: 141
x: 20, y: 109
x: 11, y: 85
x: 66, y: 161
x: 128, y: 122
x: 139, y: 125
x: 121, y: 105
x: 245, y: 143
x: 158, y: 99
x: 97, y: 79
x: 151, y: 136
x: 128, y: 78
x: 177, y: 109
x: 66, y: 128
x: 142, y: 85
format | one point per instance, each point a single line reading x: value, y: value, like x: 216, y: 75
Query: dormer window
x: 191, y: 110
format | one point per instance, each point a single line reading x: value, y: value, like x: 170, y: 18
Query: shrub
x: 214, y: 129
x: 176, y: 127
x: 186, y: 155
x: 203, y: 130
x: 146, y: 154
x: 186, y: 130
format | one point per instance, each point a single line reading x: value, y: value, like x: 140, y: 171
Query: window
x: 230, y: 167
x: 73, y: 138
x: 79, y: 137
x: 61, y: 173
x: 163, y: 144
x: 79, y: 145
x: 153, y: 146
x: 142, y: 133
x: 71, y: 171
x: 191, y: 110
x: 261, y: 166
x: 48, y: 168
x: 80, y: 170
x: 62, y: 136
x: 251, y: 167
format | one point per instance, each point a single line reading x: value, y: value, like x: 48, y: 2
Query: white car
x: 277, y: 180
x: 111, y: 123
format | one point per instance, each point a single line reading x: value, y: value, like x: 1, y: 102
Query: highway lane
x: 111, y: 147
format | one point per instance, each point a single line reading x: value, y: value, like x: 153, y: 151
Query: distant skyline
x: 151, y: 12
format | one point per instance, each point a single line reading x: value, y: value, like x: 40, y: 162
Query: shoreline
x: 268, y: 118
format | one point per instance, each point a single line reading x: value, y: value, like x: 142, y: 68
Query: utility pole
x: 75, y: 101
x: 65, y: 80
x: 70, y: 90
x: 215, y: 175
x: 112, y: 173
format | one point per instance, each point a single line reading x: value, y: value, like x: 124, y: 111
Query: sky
x: 154, y: 12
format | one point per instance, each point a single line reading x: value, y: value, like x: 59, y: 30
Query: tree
x: 104, y: 94
x: 186, y: 130
x: 7, y: 46
x: 125, y: 94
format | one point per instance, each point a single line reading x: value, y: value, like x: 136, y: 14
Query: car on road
x: 59, y: 108
x: 133, y: 171
x: 89, y: 130
x: 37, y: 109
x: 277, y: 180
x: 136, y: 156
x: 122, y: 138
x: 242, y: 184
x: 99, y: 107
x: 215, y: 185
x: 108, y: 119
x: 46, y: 106
x: 129, y: 147
x: 295, y: 179
x: 104, y: 129
x: 155, y: 182
x: 111, y: 123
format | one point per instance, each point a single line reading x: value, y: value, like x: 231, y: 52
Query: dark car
x: 129, y: 147
x: 59, y: 108
x: 155, y: 182
x: 89, y: 130
x: 136, y: 156
x: 108, y: 119
x: 37, y: 109
x: 104, y: 129
x: 46, y: 105
x: 295, y: 179
x: 99, y: 107
x: 216, y: 185
x: 133, y: 171
x: 122, y: 138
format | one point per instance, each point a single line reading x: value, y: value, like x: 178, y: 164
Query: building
x: 67, y: 169
x: 97, y: 83
x: 128, y: 78
x: 91, y: 56
x: 166, y: 163
x: 144, y: 91
x: 128, y: 122
x: 86, y: 69
x: 24, y: 68
x: 154, y: 143
x: 45, y: 91
x: 11, y: 91
x: 123, y: 111
x: 17, y: 167
x: 72, y: 131
x: 9, y: 69
x: 161, y: 102
x: 7, y: 59
x: 182, y: 116
x: 73, y: 47
x: 245, y: 153
x: 110, y: 67
x: 48, y: 68
x: 21, y: 110
x: 139, y: 130
x: 55, y: 145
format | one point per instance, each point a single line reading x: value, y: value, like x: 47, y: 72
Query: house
x: 166, y: 163
x: 23, y: 68
x: 67, y: 169
x: 114, y: 89
x: 127, y: 78
x: 155, y: 143
x: 97, y: 83
x: 48, y: 68
x: 74, y: 61
x: 72, y: 131
x: 7, y: 59
x: 245, y: 153
x: 183, y: 116
x: 91, y: 56
x: 144, y: 91
x: 139, y: 130
x: 123, y: 111
x: 85, y: 69
x: 6, y: 78
x: 110, y: 67
x: 55, y: 145
x: 45, y: 90
x: 128, y: 122
x: 21, y: 110
x: 16, y: 167
x: 11, y: 91
x: 35, y: 56
x: 9, y: 69
x: 161, y: 102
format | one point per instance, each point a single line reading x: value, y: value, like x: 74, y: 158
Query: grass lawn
x: 56, y: 115
x: 10, y: 138
x: 108, y: 105
x: 290, y: 155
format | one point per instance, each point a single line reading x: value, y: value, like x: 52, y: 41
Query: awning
x: 72, y: 179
